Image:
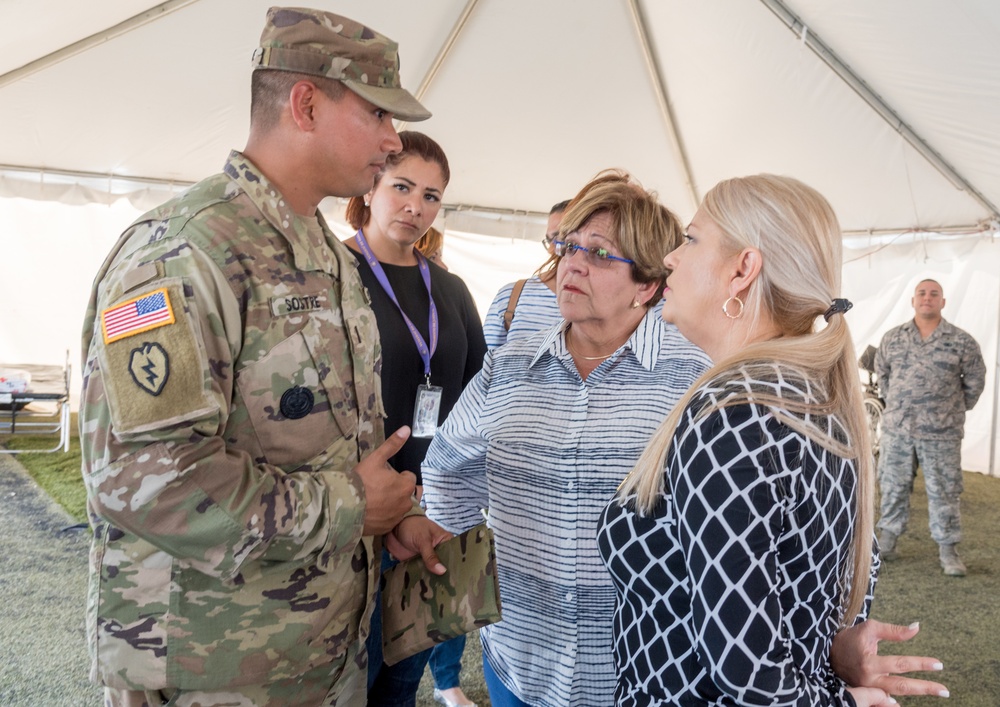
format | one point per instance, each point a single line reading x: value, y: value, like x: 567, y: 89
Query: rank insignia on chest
x: 137, y: 315
x: 297, y: 402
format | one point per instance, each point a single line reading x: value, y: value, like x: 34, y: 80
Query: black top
x: 459, y: 353
x: 729, y: 591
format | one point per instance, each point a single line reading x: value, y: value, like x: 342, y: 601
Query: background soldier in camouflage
x: 930, y: 373
x: 231, y: 416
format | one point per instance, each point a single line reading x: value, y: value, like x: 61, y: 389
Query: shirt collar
x: 942, y: 329
x: 644, y: 343
x: 310, y: 239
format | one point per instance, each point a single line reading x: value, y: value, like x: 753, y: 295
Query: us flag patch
x: 143, y: 313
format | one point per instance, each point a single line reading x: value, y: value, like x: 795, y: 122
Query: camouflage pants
x: 941, y: 463
x: 340, y: 684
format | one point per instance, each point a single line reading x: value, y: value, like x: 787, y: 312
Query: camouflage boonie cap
x: 321, y: 43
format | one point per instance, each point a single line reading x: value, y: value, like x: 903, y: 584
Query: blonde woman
x: 742, y: 541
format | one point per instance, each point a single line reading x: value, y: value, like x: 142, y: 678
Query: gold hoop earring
x: 725, y: 307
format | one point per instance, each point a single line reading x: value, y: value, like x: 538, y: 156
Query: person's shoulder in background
x: 493, y: 328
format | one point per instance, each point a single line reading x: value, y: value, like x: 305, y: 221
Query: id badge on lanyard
x: 426, y: 410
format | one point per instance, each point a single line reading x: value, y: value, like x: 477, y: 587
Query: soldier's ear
x: 301, y: 104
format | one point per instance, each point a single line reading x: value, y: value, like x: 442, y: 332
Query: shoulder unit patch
x: 150, y: 367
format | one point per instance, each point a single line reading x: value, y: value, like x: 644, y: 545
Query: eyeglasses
x: 595, y: 255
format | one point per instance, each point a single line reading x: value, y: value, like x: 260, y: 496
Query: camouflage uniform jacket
x: 230, y: 386
x: 928, y: 384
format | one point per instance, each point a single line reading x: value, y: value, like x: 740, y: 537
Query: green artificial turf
x: 58, y: 473
x: 959, y: 616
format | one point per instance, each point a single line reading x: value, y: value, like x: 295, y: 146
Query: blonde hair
x: 799, y: 239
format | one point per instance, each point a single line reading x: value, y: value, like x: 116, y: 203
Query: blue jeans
x: 446, y: 663
x: 500, y: 696
x: 391, y: 685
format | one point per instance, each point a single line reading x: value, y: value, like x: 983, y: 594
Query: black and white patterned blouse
x: 729, y: 592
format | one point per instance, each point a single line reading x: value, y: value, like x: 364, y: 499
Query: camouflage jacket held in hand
x: 928, y: 384
x: 230, y: 387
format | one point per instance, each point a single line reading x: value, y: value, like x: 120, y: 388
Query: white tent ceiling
x: 532, y: 97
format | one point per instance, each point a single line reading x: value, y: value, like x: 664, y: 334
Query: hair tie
x: 839, y: 306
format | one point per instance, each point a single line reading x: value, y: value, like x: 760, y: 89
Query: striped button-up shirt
x: 544, y: 451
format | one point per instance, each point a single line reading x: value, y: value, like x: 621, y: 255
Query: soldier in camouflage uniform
x: 231, y: 416
x: 930, y: 373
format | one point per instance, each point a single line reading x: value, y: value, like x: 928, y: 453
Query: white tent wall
x: 53, y: 250
x: 51, y: 253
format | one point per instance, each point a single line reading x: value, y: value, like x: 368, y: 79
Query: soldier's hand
x: 389, y: 494
x: 418, y: 535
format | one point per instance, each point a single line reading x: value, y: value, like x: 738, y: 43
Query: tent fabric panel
x: 37, y: 28
x: 937, y: 62
x: 538, y: 96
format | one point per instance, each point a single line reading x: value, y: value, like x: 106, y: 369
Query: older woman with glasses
x: 545, y: 433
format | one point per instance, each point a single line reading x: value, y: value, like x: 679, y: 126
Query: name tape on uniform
x: 299, y: 304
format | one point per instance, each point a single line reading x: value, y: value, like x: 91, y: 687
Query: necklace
x: 586, y: 358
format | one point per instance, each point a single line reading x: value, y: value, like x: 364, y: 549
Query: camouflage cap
x: 321, y: 43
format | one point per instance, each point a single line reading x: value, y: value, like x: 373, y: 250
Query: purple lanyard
x: 425, y: 273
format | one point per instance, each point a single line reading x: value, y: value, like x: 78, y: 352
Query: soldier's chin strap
x: 839, y: 306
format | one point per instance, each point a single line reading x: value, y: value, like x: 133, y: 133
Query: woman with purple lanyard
x: 432, y: 345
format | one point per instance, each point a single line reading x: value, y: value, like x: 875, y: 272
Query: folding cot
x: 34, y: 399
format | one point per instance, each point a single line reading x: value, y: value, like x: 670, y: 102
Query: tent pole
x: 442, y: 54
x: 996, y: 398
x: 663, y: 101
x: 890, y: 116
x: 93, y: 40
